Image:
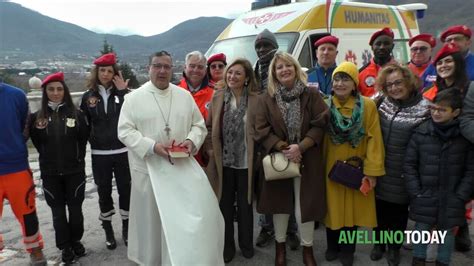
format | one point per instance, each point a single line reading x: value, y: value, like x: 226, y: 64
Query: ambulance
x: 299, y: 24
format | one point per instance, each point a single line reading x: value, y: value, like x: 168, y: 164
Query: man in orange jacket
x: 195, y: 81
x: 421, y: 47
x: 382, y: 45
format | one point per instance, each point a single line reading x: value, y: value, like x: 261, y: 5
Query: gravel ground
x: 98, y: 254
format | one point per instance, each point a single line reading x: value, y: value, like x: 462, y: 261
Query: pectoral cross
x: 167, y: 130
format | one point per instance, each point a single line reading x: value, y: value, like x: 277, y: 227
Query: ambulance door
x: 307, y: 54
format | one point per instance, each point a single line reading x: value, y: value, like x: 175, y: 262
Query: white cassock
x: 174, y: 214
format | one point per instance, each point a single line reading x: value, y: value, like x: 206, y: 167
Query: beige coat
x: 213, y: 142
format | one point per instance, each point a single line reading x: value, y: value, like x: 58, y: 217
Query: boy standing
x: 438, y: 174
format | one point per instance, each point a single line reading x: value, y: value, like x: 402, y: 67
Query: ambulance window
x: 244, y: 46
x: 305, y: 56
x: 400, y: 51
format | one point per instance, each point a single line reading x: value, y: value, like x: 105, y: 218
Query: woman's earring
x: 246, y: 83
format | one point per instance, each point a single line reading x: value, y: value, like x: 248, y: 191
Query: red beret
x: 458, y: 29
x: 447, y: 49
x: 217, y: 57
x: 106, y: 60
x: 384, y: 31
x: 428, y: 38
x: 59, y: 76
x: 327, y: 39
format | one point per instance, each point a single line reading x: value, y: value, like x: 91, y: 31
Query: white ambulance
x: 298, y: 25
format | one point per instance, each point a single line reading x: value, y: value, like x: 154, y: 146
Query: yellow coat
x: 348, y: 207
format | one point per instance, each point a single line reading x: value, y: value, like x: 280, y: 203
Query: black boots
x: 109, y: 235
x: 67, y: 255
x: 462, y: 241
x: 78, y: 249
x: 125, y: 231
x: 377, y: 252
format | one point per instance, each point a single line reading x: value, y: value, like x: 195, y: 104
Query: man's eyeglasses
x: 454, y: 39
x: 217, y: 66
x: 162, y: 66
x: 421, y: 49
x: 397, y: 84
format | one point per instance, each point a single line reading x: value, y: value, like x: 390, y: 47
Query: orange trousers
x: 19, y: 189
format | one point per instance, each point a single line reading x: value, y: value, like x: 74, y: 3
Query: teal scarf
x: 347, y: 129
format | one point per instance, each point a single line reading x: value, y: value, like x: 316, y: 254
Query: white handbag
x: 276, y: 167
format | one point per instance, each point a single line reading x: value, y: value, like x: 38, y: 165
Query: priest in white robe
x: 174, y: 213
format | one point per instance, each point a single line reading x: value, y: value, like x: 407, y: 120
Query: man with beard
x: 382, y: 45
x: 266, y: 46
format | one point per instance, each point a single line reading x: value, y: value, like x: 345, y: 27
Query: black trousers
x: 332, y: 238
x: 391, y: 217
x: 235, y: 182
x: 61, y: 191
x: 104, y: 168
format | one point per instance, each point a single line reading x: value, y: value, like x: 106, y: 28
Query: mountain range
x: 32, y: 35
x: 26, y: 31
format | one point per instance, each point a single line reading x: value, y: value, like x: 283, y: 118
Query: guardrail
x: 34, y: 99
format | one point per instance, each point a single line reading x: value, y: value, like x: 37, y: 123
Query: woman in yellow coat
x: 354, y: 130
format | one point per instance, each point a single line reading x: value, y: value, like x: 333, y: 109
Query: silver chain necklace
x: 167, y: 128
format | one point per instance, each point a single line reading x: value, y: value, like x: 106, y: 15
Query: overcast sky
x: 140, y: 17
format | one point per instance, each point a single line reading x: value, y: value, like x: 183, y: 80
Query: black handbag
x: 348, y: 174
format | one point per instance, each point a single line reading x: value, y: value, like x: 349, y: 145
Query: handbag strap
x: 272, y: 160
x: 356, y: 159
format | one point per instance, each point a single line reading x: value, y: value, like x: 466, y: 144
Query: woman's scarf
x: 347, y: 129
x: 288, y: 101
x: 233, y: 126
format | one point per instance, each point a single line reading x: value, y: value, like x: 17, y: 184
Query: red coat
x: 430, y: 93
x: 367, y: 77
x: 203, y: 98
x: 418, y: 69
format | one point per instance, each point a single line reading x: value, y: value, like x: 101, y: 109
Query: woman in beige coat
x: 229, y: 145
x: 291, y: 118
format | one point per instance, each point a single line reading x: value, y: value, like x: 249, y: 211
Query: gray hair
x: 200, y: 56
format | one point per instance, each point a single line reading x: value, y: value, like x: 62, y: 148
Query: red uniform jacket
x: 418, y: 69
x: 367, y: 77
x: 431, y: 92
x: 203, y: 99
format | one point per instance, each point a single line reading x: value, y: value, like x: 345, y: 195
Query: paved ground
x: 98, y: 254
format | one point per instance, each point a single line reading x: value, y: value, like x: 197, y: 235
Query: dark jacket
x: 467, y: 116
x: 397, y: 121
x: 61, y: 141
x: 439, y: 176
x: 103, y: 125
x: 270, y: 131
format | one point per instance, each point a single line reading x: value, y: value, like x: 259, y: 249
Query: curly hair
x: 411, y: 81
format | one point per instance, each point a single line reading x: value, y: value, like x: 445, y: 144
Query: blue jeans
x: 265, y: 221
x: 444, y: 250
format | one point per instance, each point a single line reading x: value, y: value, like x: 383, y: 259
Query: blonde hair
x: 409, y: 79
x: 273, y: 82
